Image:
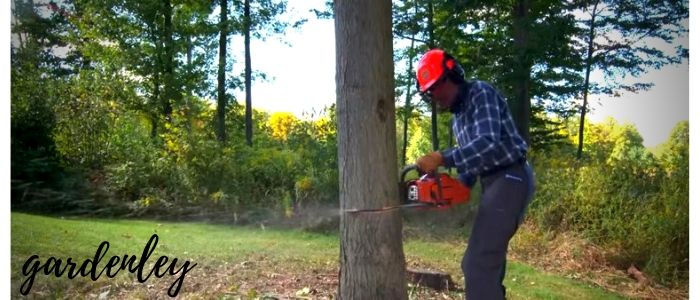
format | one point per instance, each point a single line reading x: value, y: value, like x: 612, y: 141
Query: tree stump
x: 436, y: 280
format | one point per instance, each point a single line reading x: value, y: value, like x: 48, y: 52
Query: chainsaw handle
x: 409, y: 168
x: 406, y: 169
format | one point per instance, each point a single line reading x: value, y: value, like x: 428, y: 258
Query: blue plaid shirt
x: 485, y: 132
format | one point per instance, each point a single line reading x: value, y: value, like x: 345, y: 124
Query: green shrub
x: 621, y: 197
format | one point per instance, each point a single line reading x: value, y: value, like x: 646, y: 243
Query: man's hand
x: 430, y: 162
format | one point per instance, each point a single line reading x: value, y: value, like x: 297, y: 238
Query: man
x: 489, y: 147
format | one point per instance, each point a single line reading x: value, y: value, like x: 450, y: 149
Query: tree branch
x: 410, y: 38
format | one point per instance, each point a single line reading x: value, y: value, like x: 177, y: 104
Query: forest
x: 126, y: 109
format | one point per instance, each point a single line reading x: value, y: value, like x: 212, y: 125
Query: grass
x: 236, y: 262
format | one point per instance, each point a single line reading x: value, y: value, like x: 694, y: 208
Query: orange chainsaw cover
x: 453, y: 191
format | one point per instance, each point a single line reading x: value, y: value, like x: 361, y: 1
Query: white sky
x: 301, y: 77
x: 654, y: 112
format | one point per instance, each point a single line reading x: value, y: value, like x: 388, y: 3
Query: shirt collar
x: 459, y: 103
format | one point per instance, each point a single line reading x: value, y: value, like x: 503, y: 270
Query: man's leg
x: 502, y: 203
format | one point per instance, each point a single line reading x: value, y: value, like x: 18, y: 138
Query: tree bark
x: 221, y: 80
x: 372, y: 264
x: 248, y: 98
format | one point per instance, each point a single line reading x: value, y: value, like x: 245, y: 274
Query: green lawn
x: 234, y: 262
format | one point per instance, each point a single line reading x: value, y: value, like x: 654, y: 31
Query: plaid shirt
x: 485, y: 132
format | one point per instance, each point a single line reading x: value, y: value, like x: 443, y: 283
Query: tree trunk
x: 169, y: 71
x: 589, y: 62
x: 221, y: 80
x: 521, y: 104
x: 248, y: 100
x: 372, y: 264
x: 433, y: 105
x: 408, y: 109
x: 156, y: 97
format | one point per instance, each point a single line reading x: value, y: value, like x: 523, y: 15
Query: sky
x: 301, y: 75
x: 654, y: 112
x: 301, y: 78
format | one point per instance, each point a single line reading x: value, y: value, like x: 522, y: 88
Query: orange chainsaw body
x: 442, y: 193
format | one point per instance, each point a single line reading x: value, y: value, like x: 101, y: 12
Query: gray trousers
x: 504, y: 200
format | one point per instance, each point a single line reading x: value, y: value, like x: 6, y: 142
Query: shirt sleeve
x: 486, y: 127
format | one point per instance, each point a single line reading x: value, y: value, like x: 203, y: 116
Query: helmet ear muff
x: 452, y: 69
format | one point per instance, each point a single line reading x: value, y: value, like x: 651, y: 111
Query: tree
x: 675, y: 151
x: 619, y: 39
x: 522, y: 67
x: 418, y: 23
x: 521, y: 47
x: 38, y: 78
x: 407, y: 109
x: 221, y: 78
x: 248, y: 99
x: 259, y: 18
x: 170, y: 91
x: 372, y: 264
x: 129, y: 36
x: 282, y: 124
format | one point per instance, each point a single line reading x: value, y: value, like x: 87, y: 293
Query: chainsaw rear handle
x: 406, y: 169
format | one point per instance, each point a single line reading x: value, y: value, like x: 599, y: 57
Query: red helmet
x: 431, y: 68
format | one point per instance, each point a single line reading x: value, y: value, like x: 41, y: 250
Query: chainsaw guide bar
x: 388, y: 208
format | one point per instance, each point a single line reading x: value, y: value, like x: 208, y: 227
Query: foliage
x: 85, y: 118
x: 187, y: 169
x: 282, y: 124
x: 126, y: 114
x: 620, y: 196
x: 31, y: 124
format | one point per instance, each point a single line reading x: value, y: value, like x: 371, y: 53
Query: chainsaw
x: 439, y: 191
x: 432, y: 190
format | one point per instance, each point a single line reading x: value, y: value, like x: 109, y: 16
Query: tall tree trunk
x: 433, y: 105
x: 154, y: 126
x: 521, y: 105
x: 372, y: 264
x: 248, y: 100
x: 408, y: 108
x: 221, y: 80
x: 156, y: 97
x: 169, y: 66
x: 190, y: 48
x: 589, y: 62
